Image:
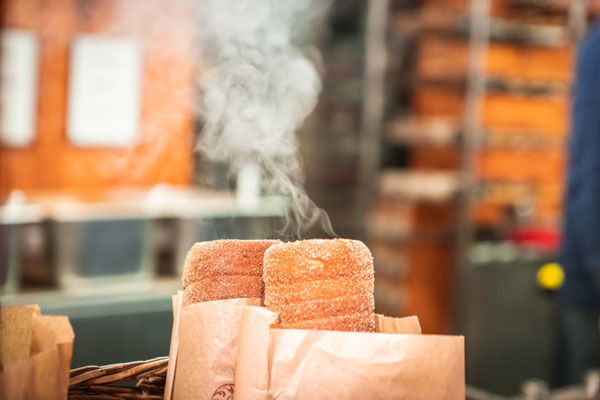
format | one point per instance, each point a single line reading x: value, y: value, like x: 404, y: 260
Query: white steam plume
x: 258, y: 90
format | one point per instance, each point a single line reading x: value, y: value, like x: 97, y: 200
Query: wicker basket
x: 131, y: 380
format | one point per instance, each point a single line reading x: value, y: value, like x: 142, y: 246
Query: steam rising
x: 258, y: 90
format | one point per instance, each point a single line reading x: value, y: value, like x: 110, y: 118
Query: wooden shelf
x: 437, y: 132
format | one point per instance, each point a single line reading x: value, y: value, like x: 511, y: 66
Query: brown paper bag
x: 35, y: 354
x: 206, y: 344
x: 177, y: 301
x: 396, y: 363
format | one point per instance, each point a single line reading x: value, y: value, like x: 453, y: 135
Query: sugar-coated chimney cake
x: 224, y: 269
x: 321, y: 284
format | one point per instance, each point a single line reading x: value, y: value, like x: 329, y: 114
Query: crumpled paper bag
x: 204, y: 349
x: 35, y: 354
x: 397, y: 362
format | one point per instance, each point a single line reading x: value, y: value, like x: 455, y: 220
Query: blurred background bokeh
x: 439, y: 139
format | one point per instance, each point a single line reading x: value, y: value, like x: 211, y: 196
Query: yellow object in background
x: 550, y: 276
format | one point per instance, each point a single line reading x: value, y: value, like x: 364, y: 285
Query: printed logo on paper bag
x: 224, y: 392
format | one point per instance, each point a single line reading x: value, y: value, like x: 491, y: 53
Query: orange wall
x: 164, y: 154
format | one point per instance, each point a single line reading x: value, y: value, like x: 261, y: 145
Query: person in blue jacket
x: 580, y: 294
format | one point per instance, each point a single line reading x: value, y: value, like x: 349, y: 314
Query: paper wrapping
x: 35, y: 354
x: 395, y: 363
x: 177, y: 301
x: 204, y: 367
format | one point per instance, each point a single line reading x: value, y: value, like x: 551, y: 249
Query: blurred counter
x: 123, y: 237
x: 112, y: 323
x: 158, y: 202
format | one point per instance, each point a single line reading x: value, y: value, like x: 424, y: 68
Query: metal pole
x: 578, y: 19
x: 373, y: 99
x: 479, y: 24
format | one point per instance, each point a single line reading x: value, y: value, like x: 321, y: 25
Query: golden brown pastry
x: 224, y: 269
x: 223, y: 287
x: 321, y: 284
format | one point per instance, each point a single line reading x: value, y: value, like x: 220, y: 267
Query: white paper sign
x: 104, y: 91
x: 19, y: 83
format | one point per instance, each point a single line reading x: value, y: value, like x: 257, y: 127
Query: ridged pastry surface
x: 223, y: 287
x: 224, y: 269
x: 361, y: 322
x: 321, y: 284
